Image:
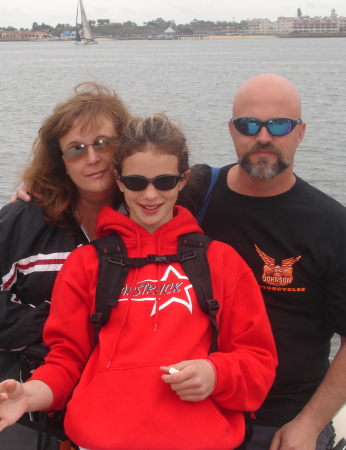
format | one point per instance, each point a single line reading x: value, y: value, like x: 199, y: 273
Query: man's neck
x: 242, y: 183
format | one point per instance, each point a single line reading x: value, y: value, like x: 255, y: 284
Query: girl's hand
x: 195, y: 380
x: 13, y: 402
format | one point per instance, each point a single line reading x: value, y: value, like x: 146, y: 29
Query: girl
x: 128, y: 396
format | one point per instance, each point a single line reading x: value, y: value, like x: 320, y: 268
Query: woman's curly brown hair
x: 45, y: 175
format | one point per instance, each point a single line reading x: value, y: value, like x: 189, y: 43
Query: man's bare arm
x: 302, y: 432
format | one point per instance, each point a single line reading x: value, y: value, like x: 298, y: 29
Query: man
x: 294, y: 238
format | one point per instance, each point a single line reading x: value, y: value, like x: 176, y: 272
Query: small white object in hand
x: 173, y: 370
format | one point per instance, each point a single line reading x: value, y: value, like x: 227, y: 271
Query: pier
x: 202, y: 36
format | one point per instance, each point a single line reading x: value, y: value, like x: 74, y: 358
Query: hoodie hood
x: 111, y: 221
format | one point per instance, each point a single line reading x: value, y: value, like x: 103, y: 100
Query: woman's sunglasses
x: 101, y: 144
x: 161, y: 183
x: 248, y: 126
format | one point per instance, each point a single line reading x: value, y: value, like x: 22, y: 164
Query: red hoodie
x: 121, y: 401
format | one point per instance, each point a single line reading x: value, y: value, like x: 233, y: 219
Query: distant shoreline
x: 246, y: 36
x: 287, y: 36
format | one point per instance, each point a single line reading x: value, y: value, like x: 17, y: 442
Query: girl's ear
x: 119, y: 183
x: 184, y: 180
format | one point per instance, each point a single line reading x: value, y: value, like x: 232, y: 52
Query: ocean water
x: 193, y: 81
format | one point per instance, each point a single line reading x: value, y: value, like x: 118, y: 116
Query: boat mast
x: 78, y: 39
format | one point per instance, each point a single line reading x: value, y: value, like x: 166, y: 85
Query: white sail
x: 86, y: 27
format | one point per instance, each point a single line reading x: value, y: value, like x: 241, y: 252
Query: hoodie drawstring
x: 158, y: 292
x: 127, y: 309
x: 160, y: 270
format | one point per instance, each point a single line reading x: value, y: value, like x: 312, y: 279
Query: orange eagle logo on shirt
x: 274, y: 274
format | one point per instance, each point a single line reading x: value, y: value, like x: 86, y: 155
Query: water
x: 193, y: 81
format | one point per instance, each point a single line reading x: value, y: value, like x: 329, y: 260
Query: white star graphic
x: 170, y: 270
x: 187, y: 303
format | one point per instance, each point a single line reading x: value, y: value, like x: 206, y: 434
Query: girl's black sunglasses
x: 162, y: 182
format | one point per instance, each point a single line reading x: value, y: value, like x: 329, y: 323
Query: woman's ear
x: 184, y: 180
x: 119, y: 183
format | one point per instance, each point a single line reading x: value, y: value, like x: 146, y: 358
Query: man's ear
x: 301, y: 132
x: 231, y: 128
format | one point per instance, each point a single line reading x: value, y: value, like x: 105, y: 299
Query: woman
x: 71, y: 175
x: 127, y: 395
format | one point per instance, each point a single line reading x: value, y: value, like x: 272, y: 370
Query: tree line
x: 108, y: 28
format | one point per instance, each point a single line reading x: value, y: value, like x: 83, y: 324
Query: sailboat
x: 87, y: 36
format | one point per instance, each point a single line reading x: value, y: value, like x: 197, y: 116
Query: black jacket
x: 31, y: 254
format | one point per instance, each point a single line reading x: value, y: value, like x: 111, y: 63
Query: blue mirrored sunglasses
x: 248, y: 126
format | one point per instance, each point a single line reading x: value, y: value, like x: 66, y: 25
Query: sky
x: 23, y: 13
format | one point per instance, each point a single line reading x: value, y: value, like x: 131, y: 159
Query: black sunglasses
x: 248, y: 126
x: 162, y: 182
x: 101, y: 144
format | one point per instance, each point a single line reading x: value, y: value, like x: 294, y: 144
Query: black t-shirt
x: 295, y: 243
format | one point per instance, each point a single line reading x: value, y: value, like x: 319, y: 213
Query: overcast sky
x: 22, y: 13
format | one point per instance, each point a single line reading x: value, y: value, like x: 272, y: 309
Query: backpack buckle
x: 188, y: 255
x: 96, y: 319
x: 156, y: 258
x: 213, y: 307
x: 119, y: 261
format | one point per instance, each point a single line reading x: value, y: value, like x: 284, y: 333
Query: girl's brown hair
x: 45, y: 175
x: 157, y: 133
x: 160, y: 135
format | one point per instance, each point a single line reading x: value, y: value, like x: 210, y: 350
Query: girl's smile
x: 151, y: 207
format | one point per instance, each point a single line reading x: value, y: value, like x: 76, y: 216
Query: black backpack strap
x: 114, y: 266
x: 201, y: 213
x: 198, y: 271
x: 113, y: 270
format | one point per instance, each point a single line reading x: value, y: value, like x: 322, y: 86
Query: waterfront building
x: 284, y: 25
x: 24, y: 34
x: 169, y: 31
x: 304, y: 24
x: 260, y: 26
